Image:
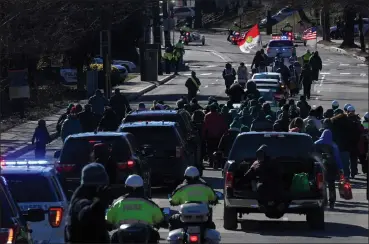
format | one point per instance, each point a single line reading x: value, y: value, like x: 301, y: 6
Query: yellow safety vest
x: 168, y: 56
x: 306, y: 56
x: 194, y: 82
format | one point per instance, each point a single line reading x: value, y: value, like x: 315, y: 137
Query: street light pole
x: 105, y: 49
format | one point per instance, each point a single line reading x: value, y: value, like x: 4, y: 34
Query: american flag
x: 309, y: 34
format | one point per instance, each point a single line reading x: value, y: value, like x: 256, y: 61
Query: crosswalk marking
x: 344, y: 64
x: 206, y: 74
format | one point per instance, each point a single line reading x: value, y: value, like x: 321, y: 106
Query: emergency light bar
x: 27, y: 163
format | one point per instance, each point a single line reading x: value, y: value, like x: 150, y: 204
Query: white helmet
x: 346, y: 106
x: 134, y: 181
x: 351, y: 109
x: 191, y: 172
x: 335, y: 104
x: 366, y: 115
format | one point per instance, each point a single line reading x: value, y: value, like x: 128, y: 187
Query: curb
x: 54, y: 135
x: 342, y: 51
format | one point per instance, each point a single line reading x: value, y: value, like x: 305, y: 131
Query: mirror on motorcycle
x: 219, y: 195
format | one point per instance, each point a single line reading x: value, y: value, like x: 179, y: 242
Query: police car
x: 285, y: 49
x: 34, y: 185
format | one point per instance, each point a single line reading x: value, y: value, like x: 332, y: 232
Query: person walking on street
x: 316, y: 65
x: 306, y: 57
x: 119, y: 104
x: 98, y: 103
x: 176, y: 60
x: 235, y: 93
x: 192, y: 84
x: 86, y: 214
x: 63, y: 117
x: 88, y: 119
x: 242, y: 74
x: 109, y: 121
x: 229, y: 75
x: 41, y: 137
x: 71, y: 125
x: 304, y: 107
x: 168, y: 56
x: 306, y: 79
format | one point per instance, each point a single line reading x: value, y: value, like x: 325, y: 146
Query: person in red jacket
x: 213, y: 129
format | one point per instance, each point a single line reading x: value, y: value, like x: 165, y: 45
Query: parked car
x: 183, y: 118
x: 183, y: 12
x: 171, y: 154
x: 76, y: 153
x: 13, y: 222
x: 25, y: 179
x: 335, y: 35
x: 290, y: 153
x: 130, y: 66
x: 122, y: 69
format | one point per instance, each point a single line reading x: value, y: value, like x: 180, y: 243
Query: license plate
x: 193, y: 229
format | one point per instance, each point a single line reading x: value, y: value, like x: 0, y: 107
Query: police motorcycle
x: 194, y: 216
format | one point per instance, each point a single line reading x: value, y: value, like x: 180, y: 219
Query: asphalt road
x: 343, y: 78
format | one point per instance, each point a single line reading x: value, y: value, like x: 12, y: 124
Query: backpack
x: 300, y: 183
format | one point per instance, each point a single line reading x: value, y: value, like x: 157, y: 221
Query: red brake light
x: 229, y: 180
x: 126, y: 165
x: 55, y: 216
x: 64, y: 168
x: 194, y: 238
x: 11, y: 234
x: 319, y: 180
x: 179, y: 152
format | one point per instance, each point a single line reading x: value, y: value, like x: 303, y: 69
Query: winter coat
x: 41, y: 136
x: 344, y: 133
x: 214, y: 126
x: 120, y: 104
x: 227, y: 140
x: 317, y: 122
x: 327, y: 139
x: 88, y: 121
x: 251, y: 90
x: 306, y: 77
x: 261, y: 124
x: 98, y: 103
x: 70, y: 126
x: 235, y: 93
x: 109, y: 121
x: 304, y: 109
x: 316, y: 65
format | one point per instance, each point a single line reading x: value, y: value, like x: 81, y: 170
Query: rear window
x: 268, y: 96
x: 155, y: 135
x: 6, y: 212
x: 30, y: 188
x: 284, y: 43
x: 271, y: 87
x: 264, y: 76
x: 245, y: 146
x: 79, y: 150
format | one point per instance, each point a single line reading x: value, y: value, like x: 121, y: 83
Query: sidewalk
x: 17, y: 140
x: 333, y: 46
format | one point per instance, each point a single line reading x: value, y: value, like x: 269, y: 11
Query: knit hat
x: 94, y: 174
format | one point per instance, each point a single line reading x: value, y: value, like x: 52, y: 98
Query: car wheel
x: 229, y: 218
x: 315, y: 218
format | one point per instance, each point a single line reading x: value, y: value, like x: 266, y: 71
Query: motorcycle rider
x: 235, y: 27
x: 242, y: 74
x: 332, y: 162
x: 193, y: 189
x: 135, y: 208
x: 229, y: 75
x: 287, y: 28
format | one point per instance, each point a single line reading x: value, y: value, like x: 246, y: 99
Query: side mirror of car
x: 57, y: 154
x: 34, y: 215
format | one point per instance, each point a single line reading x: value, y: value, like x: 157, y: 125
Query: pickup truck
x: 292, y: 153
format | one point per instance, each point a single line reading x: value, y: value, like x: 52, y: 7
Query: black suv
x: 76, y: 153
x: 186, y: 128
x: 13, y: 225
x: 170, y: 156
x: 290, y: 153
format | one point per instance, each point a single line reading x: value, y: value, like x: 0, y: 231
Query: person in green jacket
x: 193, y: 189
x: 306, y: 57
x: 135, y: 208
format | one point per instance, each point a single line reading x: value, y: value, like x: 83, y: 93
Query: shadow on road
x: 300, y: 228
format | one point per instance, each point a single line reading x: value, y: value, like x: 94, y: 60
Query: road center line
x: 345, y: 73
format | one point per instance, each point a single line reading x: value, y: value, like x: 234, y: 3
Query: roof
x: 153, y: 112
x: 274, y: 133
x: 149, y: 124
x: 268, y: 73
x: 29, y: 170
x: 97, y: 134
x: 265, y: 90
x: 258, y: 80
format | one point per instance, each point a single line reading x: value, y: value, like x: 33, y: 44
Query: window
x: 6, y: 212
x: 57, y: 188
x: 290, y: 145
x: 268, y: 96
x: 30, y: 188
x: 181, y: 10
x: 155, y: 135
x: 265, y: 76
x: 78, y: 150
x: 281, y: 44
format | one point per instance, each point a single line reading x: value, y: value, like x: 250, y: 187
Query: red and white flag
x: 309, y: 34
x: 251, y: 40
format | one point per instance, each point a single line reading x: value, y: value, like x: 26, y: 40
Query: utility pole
x: 157, y: 32
x: 105, y: 48
x: 166, y: 24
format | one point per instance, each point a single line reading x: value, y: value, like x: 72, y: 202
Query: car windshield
x: 281, y: 44
x: 5, y: 211
x: 266, y: 76
x: 267, y: 95
x: 269, y: 87
x: 155, y: 135
x: 246, y: 145
x: 26, y: 188
x: 78, y: 150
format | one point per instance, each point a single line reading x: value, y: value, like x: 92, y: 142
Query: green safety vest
x: 193, y: 193
x: 168, y: 56
x: 134, y: 210
x: 307, y: 56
